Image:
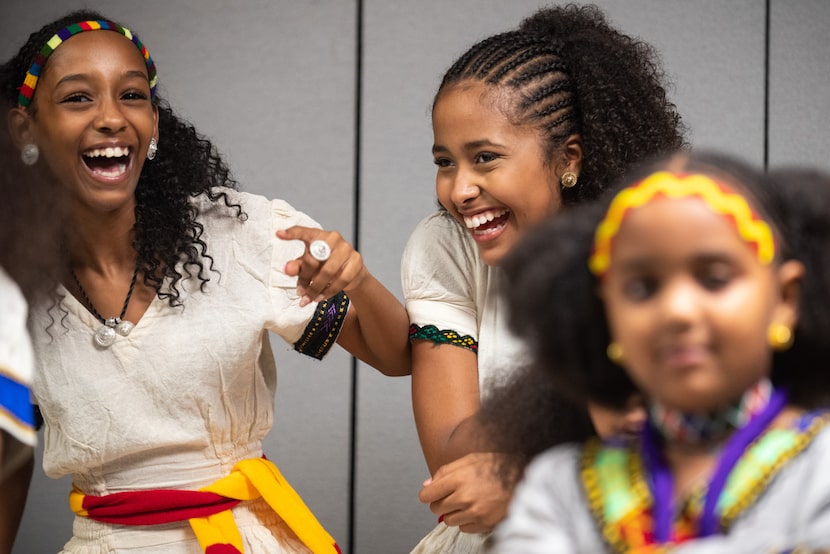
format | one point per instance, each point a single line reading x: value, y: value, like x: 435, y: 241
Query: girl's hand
x: 342, y: 271
x: 468, y: 493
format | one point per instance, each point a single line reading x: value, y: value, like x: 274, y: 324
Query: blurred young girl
x: 687, y: 286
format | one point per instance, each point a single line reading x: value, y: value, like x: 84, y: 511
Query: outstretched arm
x: 376, y: 326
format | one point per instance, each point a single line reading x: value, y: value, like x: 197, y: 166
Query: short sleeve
x: 312, y: 329
x: 16, y: 365
x: 438, y: 280
x: 246, y: 251
x: 258, y: 259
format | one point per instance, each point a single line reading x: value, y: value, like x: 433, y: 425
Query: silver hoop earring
x: 152, y: 149
x: 29, y: 154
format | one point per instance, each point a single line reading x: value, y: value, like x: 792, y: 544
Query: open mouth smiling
x: 487, y: 221
x: 108, y: 163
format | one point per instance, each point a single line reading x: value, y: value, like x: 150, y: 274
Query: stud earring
x: 152, y: 149
x: 568, y: 179
x: 29, y: 154
x: 614, y: 352
x: 780, y: 337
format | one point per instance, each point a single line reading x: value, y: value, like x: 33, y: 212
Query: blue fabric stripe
x: 14, y: 399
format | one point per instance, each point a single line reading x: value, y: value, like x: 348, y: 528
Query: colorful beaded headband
x: 719, y: 198
x: 30, y: 82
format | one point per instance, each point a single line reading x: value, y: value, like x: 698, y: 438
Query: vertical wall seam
x: 358, y: 117
x: 767, y: 18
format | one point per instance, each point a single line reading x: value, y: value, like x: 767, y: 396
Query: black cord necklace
x: 105, y: 335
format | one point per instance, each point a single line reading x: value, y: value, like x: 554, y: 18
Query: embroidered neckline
x: 614, y: 480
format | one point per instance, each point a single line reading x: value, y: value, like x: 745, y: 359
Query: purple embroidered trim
x: 321, y: 332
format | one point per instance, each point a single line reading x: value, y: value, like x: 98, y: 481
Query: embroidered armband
x: 321, y: 332
x: 446, y: 336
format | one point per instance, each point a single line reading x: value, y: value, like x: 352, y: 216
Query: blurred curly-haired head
x: 32, y: 218
x: 801, y: 198
x: 553, y: 298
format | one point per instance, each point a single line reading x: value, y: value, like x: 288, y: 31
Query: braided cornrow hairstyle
x: 569, y: 72
x: 166, y: 230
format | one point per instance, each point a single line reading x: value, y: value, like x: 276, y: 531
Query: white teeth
x: 480, y: 219
x: 116, y: 171
x: 109, y: 152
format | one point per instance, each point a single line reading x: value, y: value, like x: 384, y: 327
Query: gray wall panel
x: 799, y: 83
x: 713, y: 53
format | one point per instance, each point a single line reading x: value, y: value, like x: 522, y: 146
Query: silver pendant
x: 107, y: 333
x: 105, y: 336
x: 124, y: 327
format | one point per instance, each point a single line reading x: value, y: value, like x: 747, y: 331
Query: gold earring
x: 568, y: 179
x: 614, y: 352
x: 779, y: 337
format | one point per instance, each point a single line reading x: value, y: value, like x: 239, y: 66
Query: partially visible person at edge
x: 524, y: 122
x: 31, y: 218
x: 703, y: 284
x: 155, y: 376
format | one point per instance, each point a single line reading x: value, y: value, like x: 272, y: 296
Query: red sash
x: 208, y: 509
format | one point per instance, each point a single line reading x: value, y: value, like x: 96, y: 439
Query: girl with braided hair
x: 703, y: 284
x: 155, y: 375
x: 524, y: 122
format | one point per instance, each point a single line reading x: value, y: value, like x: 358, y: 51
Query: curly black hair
x: 167, y: 235
x: 527, y: 414
x: 567, y: 72
x: 567, y: 332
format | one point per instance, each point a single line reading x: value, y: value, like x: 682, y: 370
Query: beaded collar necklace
x: 695, y: 428
x: 105, y: 335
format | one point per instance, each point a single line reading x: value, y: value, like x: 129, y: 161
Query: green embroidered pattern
x: 447, y: 336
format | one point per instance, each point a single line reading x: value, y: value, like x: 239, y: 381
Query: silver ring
x: 319, y: 250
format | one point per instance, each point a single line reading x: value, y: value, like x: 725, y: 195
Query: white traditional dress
x: 453, y: 297
x: 190, y: 391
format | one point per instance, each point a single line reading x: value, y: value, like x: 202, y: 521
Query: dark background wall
x: 325, y: 103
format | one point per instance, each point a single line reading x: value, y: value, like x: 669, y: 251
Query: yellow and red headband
x: 717, y: 196
x: 27, y: 89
